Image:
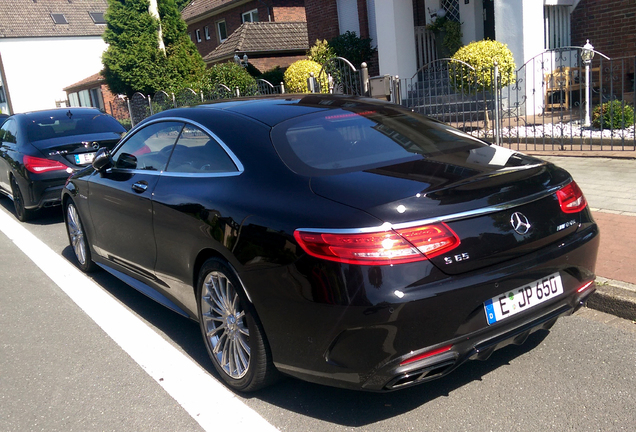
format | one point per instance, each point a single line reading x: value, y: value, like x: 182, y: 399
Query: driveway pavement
x: 608, y: 184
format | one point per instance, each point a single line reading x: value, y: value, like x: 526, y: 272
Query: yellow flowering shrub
x: 297, y: 73
x: 481, y: 55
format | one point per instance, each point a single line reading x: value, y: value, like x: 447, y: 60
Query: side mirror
x: 127, y: 161
x: 102, y: 160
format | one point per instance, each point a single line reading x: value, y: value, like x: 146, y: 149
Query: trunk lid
x: 480, y: 193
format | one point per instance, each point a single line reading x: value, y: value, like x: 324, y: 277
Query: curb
x: 614, y: 297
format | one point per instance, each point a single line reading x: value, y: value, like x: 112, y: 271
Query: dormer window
x: 59, y: 18
x: 98, y: 17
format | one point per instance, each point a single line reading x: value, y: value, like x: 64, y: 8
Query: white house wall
x: 471, y: 15
x: 396, y: 37
x: 37, y: 69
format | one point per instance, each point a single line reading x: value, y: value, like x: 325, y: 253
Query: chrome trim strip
x: 445, y: 218
x: 229, y: 152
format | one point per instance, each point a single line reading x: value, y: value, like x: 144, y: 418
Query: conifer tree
x: 133, y: 61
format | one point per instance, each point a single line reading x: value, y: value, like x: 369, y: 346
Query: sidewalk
x: 608, y: 180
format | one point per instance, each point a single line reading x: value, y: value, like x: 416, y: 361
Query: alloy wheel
x: 76, y: 234
x: 225, y: 325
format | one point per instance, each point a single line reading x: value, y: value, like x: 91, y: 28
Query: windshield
x: 47, y: 125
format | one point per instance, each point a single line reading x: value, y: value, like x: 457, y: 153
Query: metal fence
x: 555, y: 101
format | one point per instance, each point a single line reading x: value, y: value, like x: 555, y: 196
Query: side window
x: 8, y: 132
x: 197, y: 152
x: 148, y: 148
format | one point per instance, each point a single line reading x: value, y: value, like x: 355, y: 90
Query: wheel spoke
x: 224, y: 321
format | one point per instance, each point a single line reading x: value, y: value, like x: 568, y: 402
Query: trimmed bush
x: 482, y: 55
x: 232, y: 75
x: 613, y: 115
x: 297, y: 73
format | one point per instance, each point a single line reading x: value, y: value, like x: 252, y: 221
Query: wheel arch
x: 205, y: 255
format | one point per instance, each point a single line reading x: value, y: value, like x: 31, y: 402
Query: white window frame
x: 251, y: 14
x: 556, y: 26
x: 198, y: 33
x: 206, y: 30
x: 218, y: 30
x: 348, y: 18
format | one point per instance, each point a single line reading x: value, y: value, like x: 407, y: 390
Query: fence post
x: 202, y: 99
x: 282, y: 87
x: 150, y: 104
x: 174, y: 101
x: 396, y: 96
x: 496, y: 91
x: 132, y: 120
x: 311, y: 83
x: 364, y: 79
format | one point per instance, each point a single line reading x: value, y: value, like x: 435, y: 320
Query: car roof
x: 272, y: 110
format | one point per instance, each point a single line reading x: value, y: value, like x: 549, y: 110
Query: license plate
x: 520, y: 299
x: 84, y: 158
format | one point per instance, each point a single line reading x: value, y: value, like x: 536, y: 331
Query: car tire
x: 77, y: 238
x: 22, y: 213
x: 233, y: 335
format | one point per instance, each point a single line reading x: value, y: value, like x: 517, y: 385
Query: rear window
x: 352, y: 139
x: 47, y: 125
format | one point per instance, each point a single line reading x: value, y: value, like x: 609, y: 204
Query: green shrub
x: 297, y: 73
x: 353, y: 48
x: 321, y: 52
x: 275, y: 76
x: 481, y: 55
x: 613, y: 115
x: 451, y: 35
x: 231, y: 75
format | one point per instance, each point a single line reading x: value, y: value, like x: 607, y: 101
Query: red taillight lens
x: 40, y: 165
x: 379, y: 248
x: 426, y: 355
x: 571, y: 198
x: 584, y: 287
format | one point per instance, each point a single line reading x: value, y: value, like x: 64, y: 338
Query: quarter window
x: 197, y: 152
x: 149, y: 148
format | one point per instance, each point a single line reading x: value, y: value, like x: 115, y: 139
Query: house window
x: 221, y: 30
x: 206, y: 30
x: 251, y: 16
x: 190, y: 36
x: 73, y: 99
x: 452, y: 9
x: 97, y: 17
x: 198, y: 33
x: 557, y: 26
x: 348, y: 16
x: 59, y: 18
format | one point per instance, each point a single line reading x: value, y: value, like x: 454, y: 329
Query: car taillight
x: 380, y: 248
x: 426, y: 355
x: 39, y: 165
x: 571, y: 198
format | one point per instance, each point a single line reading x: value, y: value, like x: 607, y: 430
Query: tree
x: 133, y: 61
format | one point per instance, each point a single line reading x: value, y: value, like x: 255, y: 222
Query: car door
x: 120, y: 199
x: 8, y: 146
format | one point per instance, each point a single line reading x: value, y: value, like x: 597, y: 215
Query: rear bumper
x: 362, y: 347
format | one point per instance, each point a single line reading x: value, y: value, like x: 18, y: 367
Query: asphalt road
x: 91, y: 354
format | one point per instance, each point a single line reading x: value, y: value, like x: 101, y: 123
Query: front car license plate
x: 510, y: 303
x: 84, y: 158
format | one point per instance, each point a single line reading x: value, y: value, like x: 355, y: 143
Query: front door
x: 489, y: 19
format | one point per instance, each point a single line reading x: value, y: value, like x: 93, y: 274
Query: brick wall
x: 610, y: 25
x: 265, y: 64
x: 322, y: 20
x: 113, y: 105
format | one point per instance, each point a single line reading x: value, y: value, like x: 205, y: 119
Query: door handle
x: 140, y: 187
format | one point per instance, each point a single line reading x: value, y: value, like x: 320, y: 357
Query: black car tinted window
x: 197, y: 152
x: 350, y: 139
x: 148, y: 148
x: 47, y: 125
x: 8, y: 132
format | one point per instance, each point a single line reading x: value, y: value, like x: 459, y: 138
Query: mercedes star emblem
x: 520, y: 223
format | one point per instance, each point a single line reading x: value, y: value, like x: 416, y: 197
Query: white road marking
x: 210, y: 403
